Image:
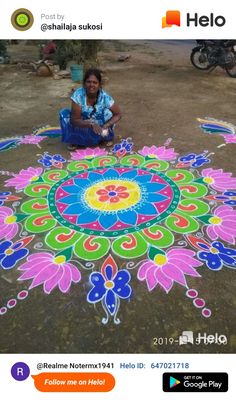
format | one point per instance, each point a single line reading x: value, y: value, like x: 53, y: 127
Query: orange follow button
x: 74, y: 382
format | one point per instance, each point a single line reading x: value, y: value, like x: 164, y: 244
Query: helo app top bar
x: 183, y: 20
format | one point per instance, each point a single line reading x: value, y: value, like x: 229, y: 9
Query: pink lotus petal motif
x: 50, y: 271
x: 32, y: 139
x: 88, y: 153
x: 8, y: 224
x: 223, y: 224
x: 218, y: 180
x: 24, y: 178
x: 162, y: 153
x: 166, y: 269
x: 229, y: 138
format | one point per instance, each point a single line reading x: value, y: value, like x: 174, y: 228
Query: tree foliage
x: 83, y: 52
x: 3, y: 48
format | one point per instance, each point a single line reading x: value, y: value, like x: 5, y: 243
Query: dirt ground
x: 160, y: 95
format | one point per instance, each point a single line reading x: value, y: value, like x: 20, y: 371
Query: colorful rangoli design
x: 151, y: 208
x: 35, y: 138
x: 215, y: 127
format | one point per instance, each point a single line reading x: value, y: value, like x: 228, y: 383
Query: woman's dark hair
x: 93, y: 71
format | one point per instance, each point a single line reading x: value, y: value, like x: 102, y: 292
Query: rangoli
x: 169, y: 217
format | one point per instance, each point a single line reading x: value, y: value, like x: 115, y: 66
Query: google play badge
x: 173, y: 382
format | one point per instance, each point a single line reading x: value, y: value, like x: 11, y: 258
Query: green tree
x: 84, y: 52
x: 89, y: 52
x: 3, y: 48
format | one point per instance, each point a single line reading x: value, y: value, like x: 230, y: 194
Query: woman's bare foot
x: 109, y: 144
x: 72, y: 147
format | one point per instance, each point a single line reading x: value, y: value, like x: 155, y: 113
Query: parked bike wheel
x: 231, y: 65
x: 199, y: 58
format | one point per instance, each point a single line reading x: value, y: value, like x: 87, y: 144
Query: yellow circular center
x: 88, y: 157
x: 95, y: 202
x: 109, y: 285
x: 208, y: 180
x: 213, y: 250
x: 215, y: 220
x: 152, y: 156
x: 160, y: 259
x: 8, y: 252
x: 22, y: 19
x: 10, y: 220
x: 34, y: 178
x: 233, y: 198
x: 59, y: 260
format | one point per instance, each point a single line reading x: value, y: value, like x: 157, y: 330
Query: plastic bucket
x: 76, y: 73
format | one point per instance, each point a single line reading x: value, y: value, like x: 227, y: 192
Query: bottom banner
x: 117, y: 376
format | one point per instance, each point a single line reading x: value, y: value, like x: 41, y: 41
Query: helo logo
x: 171, y: 18
x: 205, y: 20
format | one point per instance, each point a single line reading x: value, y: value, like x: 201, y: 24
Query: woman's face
x: 92, y: 85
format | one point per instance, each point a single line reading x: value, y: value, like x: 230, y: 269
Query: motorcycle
x: 212, y: 53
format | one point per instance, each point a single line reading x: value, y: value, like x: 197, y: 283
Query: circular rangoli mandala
x: 157, y: 211
x: 112, y: 201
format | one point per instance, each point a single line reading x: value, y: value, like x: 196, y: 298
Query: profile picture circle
x: 22, y: 19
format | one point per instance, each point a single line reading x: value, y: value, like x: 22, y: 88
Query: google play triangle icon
x: 173, y: 382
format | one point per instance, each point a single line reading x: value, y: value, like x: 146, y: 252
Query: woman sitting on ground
x: 92, y: 116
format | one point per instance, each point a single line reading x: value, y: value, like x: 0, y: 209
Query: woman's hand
x: 96, y: 128
x: 116, y: 116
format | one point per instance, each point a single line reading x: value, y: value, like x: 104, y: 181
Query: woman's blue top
x: 100, y: 112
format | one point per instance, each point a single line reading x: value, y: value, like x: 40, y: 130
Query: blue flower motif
x: 227, y: 198
x: 195, y: 160
x: 109, y: 285
x: 217, y: 255
x: 48, y: 161
x: 11, y: 253
x: 7, y: 196
x: 4, y: 197
x: 149, y: 194
x: 120, y: 149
